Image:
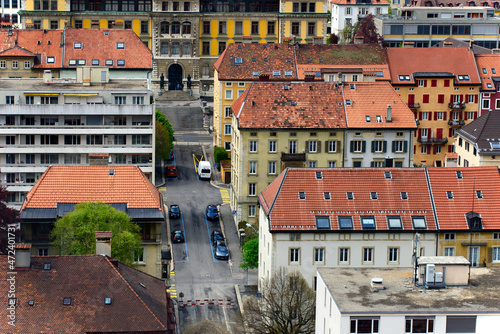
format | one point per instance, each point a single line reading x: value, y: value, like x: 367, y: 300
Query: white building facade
x: 347, y: 12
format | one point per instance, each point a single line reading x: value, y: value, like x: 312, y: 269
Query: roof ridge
x: 156, y: 194
x: 32, y: 192
x: 285, y: 173
x: 132, y: 289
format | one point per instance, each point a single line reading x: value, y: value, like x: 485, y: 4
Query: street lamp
x: 250, y: 225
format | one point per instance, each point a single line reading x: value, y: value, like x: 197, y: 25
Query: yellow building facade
x: 481, y: 248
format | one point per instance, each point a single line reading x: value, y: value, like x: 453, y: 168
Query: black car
x: 216, y: 235
x: 177, y: 236
x: 212, y: 212
x: 174, y: 211
x: 220, y: 251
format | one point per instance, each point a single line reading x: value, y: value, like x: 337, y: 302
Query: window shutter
x: 451, y: 114
x: 419, y: 133
x: 318, y: 149
x: 372, y: 164
x: 461, y: 97
x: 435, y: 115
x: 434, y: 146
x: 414, y: 149
x: 475, y: 98
x: 393, y: 146
x: 406, y: 146
x: 425, y: 83
x: 475, y: 114
x: 466, y: 116
x: 444, y: 115
x: 449, y: 148
x: 420, y: 115
x: 363, y: 146
x: 466, y: 98
x: 373, y: 146
x: 385, y: 146
x: 337, y: 147
x: 352, y: 146
x: 459, y: 115
x: 451, y: 98
x: 327, y: 147
x: 450, y: 132
x: 307, y: 146
x: 490, y: 254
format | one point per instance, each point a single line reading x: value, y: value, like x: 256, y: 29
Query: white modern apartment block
x: 349, y: 12
x: 347, y: 302
x: 67, y: 124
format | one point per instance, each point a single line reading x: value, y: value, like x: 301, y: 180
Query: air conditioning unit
x: 430, y: 269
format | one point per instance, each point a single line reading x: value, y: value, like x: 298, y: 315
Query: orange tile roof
x: 489, y: 63
x: 101, y: 44
x: 76, y: 184
x: 371, y: 99
x: 431, y: 61
x: 278, y: 105
x: 286, y: 212
x: 16, y: 51
x: 451, y: 212
x: 139, y: 302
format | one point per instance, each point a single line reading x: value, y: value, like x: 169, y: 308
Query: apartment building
x: 53, y: 123
x: 487, y: 66
x: 441, y: 86
x: 349, y: 12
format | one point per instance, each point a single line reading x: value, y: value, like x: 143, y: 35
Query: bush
x: 220, y: 154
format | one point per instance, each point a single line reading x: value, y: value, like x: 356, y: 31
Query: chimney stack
x: 103, y: 243
x: 388, y: 117
x: 340, y: 78
x: 447, y: 44
x: 23, y: 256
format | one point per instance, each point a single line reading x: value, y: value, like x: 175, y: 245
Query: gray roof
x: 476, y: 49
x: 484, y: 131
x: 350, y: 288
x: 443, y: 260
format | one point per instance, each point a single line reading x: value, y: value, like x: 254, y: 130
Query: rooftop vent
x: 377, y: 284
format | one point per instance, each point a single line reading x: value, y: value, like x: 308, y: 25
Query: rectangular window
x: 206, y: 27
x: 311, y: 29
x: 138, y: 100
x: 271, y: 27
x: 313, y: 146
x: 271, y: 167
x: 252, y: 167
x: 272, y: 146
x: 295, y: 28
x: 393, y: 255
x: 319, y: 255
x: 72, y: 140
x: 9, y: 100
x: 255, y: 28
x: 222, y: 27
x: 419, y: 325
x: 141, y: 140
x: 252, y: 189
x: 486, y: 104
x: 30, y: 139
x: 364, y: 325
x: 332, y: 146
x: 187, y: 6
x: 228, y: 94
x: 94, y: 139
x: 449, y: 251
x: 357, y: 146
x: 496, y: 254
x: 294, y: 255
x: 344, y: 255
x: 251, y: 210
x: 144, y: 27
x: 368, y: 255
x: 120, y: 100
x: 49, y: 139
x: 253, y: 146
x: 3, y: 64
x: 10, y: 140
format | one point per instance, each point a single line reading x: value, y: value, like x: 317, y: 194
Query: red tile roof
x: 451, y: 212
x: 423, y: 61
x: 269, y: 105
x: 16, y: 51
x: 489, y: 63
x: 286, y: 212
x: 372, y: 99
x: 101, y: 44
x: 138, y: 301
x: 76, y: 184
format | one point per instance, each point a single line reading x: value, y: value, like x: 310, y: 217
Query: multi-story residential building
x: 487, y: 66
x: 236, y: 69
x: 441, y: 86
x: 28, y: 53
x: 125, y: 188
x: 110, y: 123
x: 347, y: 302
x: 478, y: 143
x: 80, y: 294
x: 426, y: 26
x: 380, y: 126
x: 349, y: 12
x: 465, y: 201
x: 187, y: 37
x: 453, y: 3
x: 365, y: 217
x: 10, y: 18
x: 278, y: 125
x: 338, y: 217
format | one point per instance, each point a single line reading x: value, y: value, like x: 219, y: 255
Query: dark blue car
x: 212, y: 212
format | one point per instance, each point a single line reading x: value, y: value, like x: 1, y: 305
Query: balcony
x: 456, y: 123
x: 293, y: 156
x: 458, y: 105
x: 432, y: 140
x: 413, y: 105
x: 151, y: 238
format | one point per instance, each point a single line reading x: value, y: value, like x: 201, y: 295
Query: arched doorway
x: 175, y: 77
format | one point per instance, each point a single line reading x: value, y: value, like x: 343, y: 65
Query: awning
x: 98, y: 155
x: 81, y: 94
x: 42, y: 94
x: 474, y: 244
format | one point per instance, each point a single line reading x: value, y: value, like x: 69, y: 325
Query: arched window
x: 164, y: 48
x: 164, y: 27
x: 205, y: 70
x: 186, y: 27
x: 176, y: 27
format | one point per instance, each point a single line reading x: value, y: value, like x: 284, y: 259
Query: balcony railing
x: 293, y: 156
x: 413, y: 105
x: 432, y: 140
x: 456, y: 105
x: 456, y: 123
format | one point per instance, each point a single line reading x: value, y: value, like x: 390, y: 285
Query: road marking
x: 162, y: 189
x: 185, y: 239
x: 172, y: 290
x: 225, y: 196
x: 164, y: 198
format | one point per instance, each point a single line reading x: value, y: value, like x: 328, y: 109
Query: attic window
x: 288, y: 73
x: 255, y: 73
x: 108, y: 62
x: 388, y: 175
x: 485, y: 71
x: 82, y: 61
x: 449, y: 194
x: 265, y: 59
x: 460, y: 77
x: 459, y: 175
x: 495, y: 146
x: 286, y: 87
x: 352, y: 86
x: 120, y: 45
x: 106, y: 33
x: 493, y: 71
x: 319, y: 175
x: 67, y: 301
x: 404, y: 195
x: 51, y: 60
x: 95, y: 62
x: 367, y: 118
x: 302, y: 195
x: 239, y: 47
x: 111, y: 172
x: 350, y: 195
x: 238, y: 61
x: 46, y: 266
x: 489, y: 85
x: 368, y: 223
x: 345, y: 223
x: 120, y: 62
x: 379, y: 119
x: 72, y: 62
x: 479, y: 194
x: 418, y: 222
x: 38, y: 42
x: 373, y: 195
x: 348, y: 102
x: 77, y: 45
x: 326, y: 196
x: 323, y: 223
x: 107, y: 301
x: 466, y: 77
x: 31, y: 303
x: 276, y: 73
x: 394, y: 222
x: 404, y: 78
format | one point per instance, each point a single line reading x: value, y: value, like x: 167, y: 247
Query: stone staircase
x: 174, y: 95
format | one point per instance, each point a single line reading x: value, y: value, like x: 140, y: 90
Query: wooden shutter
x: 475, y: 98
x: 337, y: 146
x: 363, y: 149
x: 352, y: 146
x: 327, y: 146
x: 307, y: 146
x: 385, y: 146
x: 490, y: 255
x: 373, y: 146
x: 444, y: 115
x: 451, y: 98
x: 393, y: 146
x: 318, y: 149
x: 405, y: 148
x: 420, y: 116
x: 475, y: 114
x: 419, y: 133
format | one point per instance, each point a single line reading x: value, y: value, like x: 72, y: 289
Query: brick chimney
x: 22, y: 256
x: 103, y: 243
x: 388, y: 117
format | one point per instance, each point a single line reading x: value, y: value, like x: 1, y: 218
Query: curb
x: 238, y: 298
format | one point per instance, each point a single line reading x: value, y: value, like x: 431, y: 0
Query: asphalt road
x: 198, y: 275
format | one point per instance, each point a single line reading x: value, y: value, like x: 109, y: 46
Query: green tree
x: 220, y: 153
x: 164, y: 137
x: 161, y: 118
x: 74, y: 233
x: 250, y: 254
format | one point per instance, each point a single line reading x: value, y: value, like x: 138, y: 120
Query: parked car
x: 212, y: 212
x: 216, y: 236
x: 171, y: 171
x: 221, y: 252
x: 174, y: 211
x: 177, y: 236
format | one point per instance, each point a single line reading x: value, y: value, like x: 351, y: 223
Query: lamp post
x: 250, y: 225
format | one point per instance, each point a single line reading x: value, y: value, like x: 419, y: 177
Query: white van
x: 204, y: 170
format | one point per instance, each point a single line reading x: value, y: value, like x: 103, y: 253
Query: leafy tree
x: 220, y: 153
x: 333, y: 39
x: 347, y: 34
x: 366, y: 28
x: 250, y: 254
x: 8, y: 218
x: 74, y: 233
x: 287, y: 305
x: 161, y: 118
x: 163, y: 142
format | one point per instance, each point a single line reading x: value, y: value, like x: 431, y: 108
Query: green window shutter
x: 490, y: 254
x: 393, y: 146
x: 337, y: 146
x: 327, y: 147
x: 372, y: 164
x: 406, y: 146
x: 385, y: 146
x: 352, y: 145
x: 373, y: 146
x: 307, y: 146
x: 363, y: 150
x: 318, y: 149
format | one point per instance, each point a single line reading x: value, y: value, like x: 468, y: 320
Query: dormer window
x: 77, y: 45
x: 302, y: 195
x: 368, y: 223
x: 474, y: 221
x: 323, y: 223
x: 345, y: 223
x: 120, y: 45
